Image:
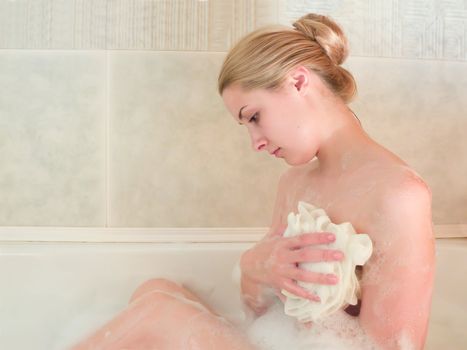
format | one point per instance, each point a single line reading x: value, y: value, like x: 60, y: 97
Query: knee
x: 156, y: 284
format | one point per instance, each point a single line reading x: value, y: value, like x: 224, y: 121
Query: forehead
x: 235, y: 94
x: 235, y: 97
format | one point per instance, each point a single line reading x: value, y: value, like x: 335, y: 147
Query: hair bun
x: 326, y: 33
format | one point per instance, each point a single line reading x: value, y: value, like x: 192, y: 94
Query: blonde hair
x: 262, y: 58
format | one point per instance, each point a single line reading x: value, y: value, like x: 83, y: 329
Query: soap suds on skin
x: 275, y: 330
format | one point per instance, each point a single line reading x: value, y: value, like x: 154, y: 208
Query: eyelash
x: 254, y: 118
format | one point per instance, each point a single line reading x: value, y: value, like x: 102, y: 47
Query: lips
x: 275, y: 153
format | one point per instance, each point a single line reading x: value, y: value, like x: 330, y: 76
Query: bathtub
x: 59, y: 284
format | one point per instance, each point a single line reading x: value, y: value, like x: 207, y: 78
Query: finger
x: 310, y: 239
x: 302, y: 275
x: 295, y: 289
x: 310, y: 254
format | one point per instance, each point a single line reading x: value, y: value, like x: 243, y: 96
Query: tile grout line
x: 107, y: 141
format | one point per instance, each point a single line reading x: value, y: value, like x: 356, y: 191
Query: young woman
x: 286, y: 86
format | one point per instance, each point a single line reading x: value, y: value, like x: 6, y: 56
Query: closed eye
x: 254, y: 118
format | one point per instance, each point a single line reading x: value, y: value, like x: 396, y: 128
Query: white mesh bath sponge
x: 357, y: 249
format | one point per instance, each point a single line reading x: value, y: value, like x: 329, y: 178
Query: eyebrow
x: 240, y: 116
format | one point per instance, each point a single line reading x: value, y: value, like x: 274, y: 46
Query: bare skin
x: 396, y: 284
x: 355, y: 180
x: 163, y: 315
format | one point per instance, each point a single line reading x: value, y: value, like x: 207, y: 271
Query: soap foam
x: 276, y: 331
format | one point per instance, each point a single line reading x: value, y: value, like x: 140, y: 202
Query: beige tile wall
x: 418, y: 109
x: 52, y: 138
x: 428, y: 29
x: 140, y: 138
x: 176, y: 157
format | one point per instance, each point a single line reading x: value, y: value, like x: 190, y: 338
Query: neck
x: 344, y: 144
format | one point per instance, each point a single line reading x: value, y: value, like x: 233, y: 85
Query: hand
x: 274, y: 262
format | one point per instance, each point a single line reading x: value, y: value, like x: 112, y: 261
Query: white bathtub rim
x: 162, y: 235
x: 131, y: 235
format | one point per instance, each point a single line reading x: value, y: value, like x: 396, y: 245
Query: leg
x: 164, y: 316
x: 167, y: 286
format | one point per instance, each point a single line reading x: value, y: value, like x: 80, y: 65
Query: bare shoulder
x: 402, y: 208
x: 405, y: 189
x: 398, y: 278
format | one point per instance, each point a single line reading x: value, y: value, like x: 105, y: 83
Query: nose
x: 258, y: 142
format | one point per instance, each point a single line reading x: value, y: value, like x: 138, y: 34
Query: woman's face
x: 279, y: 122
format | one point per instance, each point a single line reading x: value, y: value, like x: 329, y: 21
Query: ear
x: 300, y: 78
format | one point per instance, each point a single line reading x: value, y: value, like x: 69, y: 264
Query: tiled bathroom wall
x: 429, y: 29
x: 109, y: 114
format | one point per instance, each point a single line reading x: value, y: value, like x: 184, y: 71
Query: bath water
x: 276, y: 331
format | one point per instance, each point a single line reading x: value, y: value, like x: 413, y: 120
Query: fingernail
x: 337, y: 255
x: 331, y: 237
x: 314, y: 297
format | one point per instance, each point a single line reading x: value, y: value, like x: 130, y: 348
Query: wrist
x: 247, y: 264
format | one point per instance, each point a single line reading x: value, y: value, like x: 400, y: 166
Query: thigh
x: 165, y: 316
x: 167, y: 286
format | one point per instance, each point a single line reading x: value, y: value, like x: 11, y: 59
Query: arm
x: 398, y: 280
x: 254, y: 294
x: 272, y: 264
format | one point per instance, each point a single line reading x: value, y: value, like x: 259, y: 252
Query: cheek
x: 304, y: 147
x: 308, y: 133
x: 308, y: 140
x: 301, y: 136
